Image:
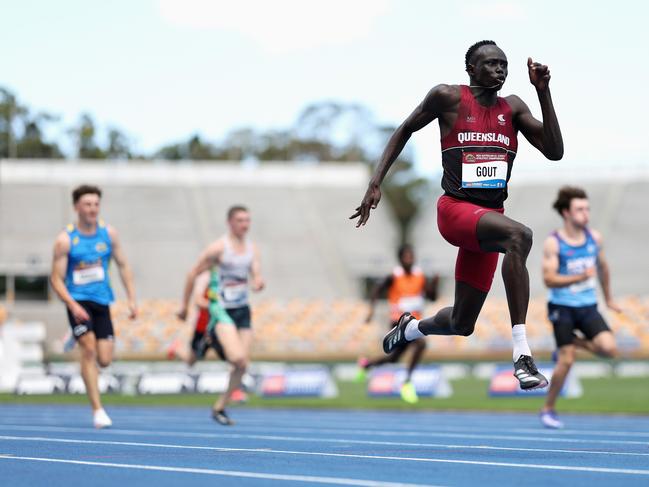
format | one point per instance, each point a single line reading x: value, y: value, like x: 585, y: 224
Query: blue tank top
x: 87, y: 275
x: 575, y: 260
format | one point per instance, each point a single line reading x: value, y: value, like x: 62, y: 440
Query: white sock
x: 412, y: 331
x: 520, y: 342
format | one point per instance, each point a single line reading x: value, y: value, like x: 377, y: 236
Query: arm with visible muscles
x: 438, y: 100
x: 125, y: 271
x: 57, y: 278
x: 545, y: 136
x: 551, y: 276
x: 604, y: 273
x: 208, y: 258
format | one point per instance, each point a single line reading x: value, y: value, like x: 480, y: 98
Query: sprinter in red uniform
x: 479, y: 142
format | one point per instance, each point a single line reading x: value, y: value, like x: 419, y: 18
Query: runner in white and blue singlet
x: 573, y: 258
x: 236, y: 264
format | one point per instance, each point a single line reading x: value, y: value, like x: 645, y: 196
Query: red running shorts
x: 457, y: 221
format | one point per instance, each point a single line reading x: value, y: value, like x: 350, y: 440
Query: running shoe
x: 549, y: 419
x: 527, y: 374
x: 101, y: 420
x: 69, y: 342
x: 396, y: 337
x: 222, y: 418
x: 173, y: 348
x: 239, y: 396
x: 361, y: 375
x: 409, y: 393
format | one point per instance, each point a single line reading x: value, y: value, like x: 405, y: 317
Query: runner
x: 235, y: 266
x: 479, y: 142
x: 407, y: 290
x: 572, y: 258
x: 82, y: 254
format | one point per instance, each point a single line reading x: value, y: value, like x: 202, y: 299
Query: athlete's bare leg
x: 391, y: 358
x: 235, y: 355
x: 105, y: 352
x: 460, y: 318
x: 89, y: 372
x: 498, y: 233
x: 564, y: 363
x: 603, y: 345
x: 418, y: 347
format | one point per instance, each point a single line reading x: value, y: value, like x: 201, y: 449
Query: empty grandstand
x: 314, y: 260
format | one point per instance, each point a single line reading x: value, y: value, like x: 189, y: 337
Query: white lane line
x: 330, y: 440
x: 197, y: 420
x: 225, y: 473
x: 607, y: 470
x: 183, y: 434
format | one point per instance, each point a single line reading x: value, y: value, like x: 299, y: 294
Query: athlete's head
x: 486, y: 65
x: 572, y: 204
x: 406, y: 256
x: 86, y: 199
x: 238, y: 220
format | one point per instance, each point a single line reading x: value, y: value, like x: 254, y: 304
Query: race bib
x: 411, y: 303
x: 88, y: 275
x: 235, y: 292
x: 484, y: 170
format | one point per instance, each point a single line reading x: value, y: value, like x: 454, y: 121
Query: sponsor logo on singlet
x: 463, y: 137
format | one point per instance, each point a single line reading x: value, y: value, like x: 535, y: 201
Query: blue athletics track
x: 157, y: 447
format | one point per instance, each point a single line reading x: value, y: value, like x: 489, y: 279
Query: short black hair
x: 566, y: 195
x: 84, y: 189
x: 234, y: 209
x: 469, y: 54
x: 403, y: 249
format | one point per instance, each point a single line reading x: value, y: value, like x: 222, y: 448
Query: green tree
x: 118, y: 145
x: 10, y: 111
x: 32, y: 143
x: 84, y: 135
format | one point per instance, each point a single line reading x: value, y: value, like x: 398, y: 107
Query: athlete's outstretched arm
x: 546, y: 135
x: 551, y: 276
x: 437, y: 101
x: 376, y: 292
x: 604, y: 273
x: 57, y: 278
x: 208, y: 258
x: 125, y: 272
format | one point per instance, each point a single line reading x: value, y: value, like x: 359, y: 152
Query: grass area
x: 608, y: 395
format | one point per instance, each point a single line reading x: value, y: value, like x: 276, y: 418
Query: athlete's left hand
x: 132, y: 310
x: 613, y: 306
x: 258, y: 284
x: 539, y: 74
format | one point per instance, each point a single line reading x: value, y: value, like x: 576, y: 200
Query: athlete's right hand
x: 79, y: 313
x: 590, y: 272
x: 182, y: 314
x: 370, y: 202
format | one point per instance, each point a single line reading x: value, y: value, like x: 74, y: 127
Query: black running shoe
x: 527, y: 374
x: 222, y: 418
x: 396, y: 337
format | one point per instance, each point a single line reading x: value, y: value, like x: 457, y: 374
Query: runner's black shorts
x: 100, y: 322
x: 240, y: 316
x: 566, y: 319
